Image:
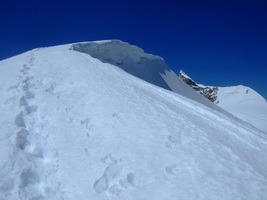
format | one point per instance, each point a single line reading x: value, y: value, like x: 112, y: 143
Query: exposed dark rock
x: 207, y: 91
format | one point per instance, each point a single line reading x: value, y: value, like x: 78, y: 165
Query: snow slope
x: 72, y: 127
x: 244, y: 103
x: 241, y: 101
x: 135, y: 61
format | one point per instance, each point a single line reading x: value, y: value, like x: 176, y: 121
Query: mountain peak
x: 182, y: 73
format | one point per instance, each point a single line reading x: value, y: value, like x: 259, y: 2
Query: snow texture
x: 73, y: 127
x: 244, y: 103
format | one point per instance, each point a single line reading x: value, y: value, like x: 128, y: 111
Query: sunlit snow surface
x: 72, y: 127
x: 244, y: 103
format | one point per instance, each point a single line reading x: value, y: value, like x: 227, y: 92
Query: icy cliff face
x: 241, y: 101
x: 136, y: 62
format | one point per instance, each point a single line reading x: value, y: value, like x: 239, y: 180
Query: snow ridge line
x: 32, y: 168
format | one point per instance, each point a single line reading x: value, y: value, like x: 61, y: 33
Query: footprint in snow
x: 19, y: 121
x: 173, y: 141
x: 104, y: 182
x: 21, y: 139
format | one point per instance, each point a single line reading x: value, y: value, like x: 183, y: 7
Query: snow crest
x: 130, y: 58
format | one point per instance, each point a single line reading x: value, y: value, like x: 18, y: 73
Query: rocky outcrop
x: 207, y: 91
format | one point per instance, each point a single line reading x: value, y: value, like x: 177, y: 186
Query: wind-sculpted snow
x: 130, y: 58
x: 89, y: 130
x: 136, y: 62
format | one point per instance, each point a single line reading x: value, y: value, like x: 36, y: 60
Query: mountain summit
x: 74, y: 127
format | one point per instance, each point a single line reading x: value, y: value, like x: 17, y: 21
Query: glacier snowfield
x: 246, y: 104
x: 73, y: 127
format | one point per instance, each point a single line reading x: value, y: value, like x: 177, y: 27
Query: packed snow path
x: 30, y: 171
x: 73, y: 127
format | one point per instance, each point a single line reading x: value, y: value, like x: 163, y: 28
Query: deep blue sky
x: 218, y: 43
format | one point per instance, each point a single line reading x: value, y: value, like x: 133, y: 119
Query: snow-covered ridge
x: 240, y: 100
x: 136, y: 62
x: 73, y: 127
x: 130, y: 58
